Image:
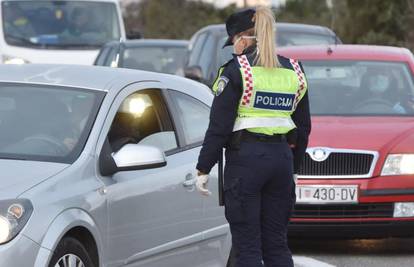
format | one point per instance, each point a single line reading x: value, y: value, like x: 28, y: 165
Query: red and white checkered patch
x: 301, y: 78
x: 248, y: 79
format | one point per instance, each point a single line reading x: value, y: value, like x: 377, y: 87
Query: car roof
x: 150, y: 42
x: 79, y: 76
x: 283, y: 26
x: 347, y: 52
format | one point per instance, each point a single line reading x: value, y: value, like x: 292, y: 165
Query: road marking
x: 302, y: 261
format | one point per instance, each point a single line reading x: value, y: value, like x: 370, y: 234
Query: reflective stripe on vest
x: 248, y: 79
x: 301, y: 78
x: 255, y: 122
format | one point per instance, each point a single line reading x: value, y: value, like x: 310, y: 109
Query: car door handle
x: 189, y: 181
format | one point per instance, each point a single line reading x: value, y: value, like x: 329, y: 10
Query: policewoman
x: 260, y: 102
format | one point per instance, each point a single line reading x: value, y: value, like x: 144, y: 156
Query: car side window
x: 193, y: 116
x: 205, y: 57
x: 143, y: 118
x: 196, y: 49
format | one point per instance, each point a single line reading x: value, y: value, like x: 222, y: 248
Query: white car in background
x: 62, y: 31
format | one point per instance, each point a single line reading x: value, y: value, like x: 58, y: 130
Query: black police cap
x: 239, y: 22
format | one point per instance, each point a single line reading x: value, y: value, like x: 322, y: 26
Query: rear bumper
x: 366, y: 229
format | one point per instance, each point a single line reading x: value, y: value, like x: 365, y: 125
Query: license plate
x: 319, y: 194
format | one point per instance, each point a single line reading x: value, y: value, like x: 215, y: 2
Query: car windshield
x: 164, y: 59
x: 45, y: 123
x: 303, y: 38
x: 284, y: 38
x: 60, y: 24
x: 359, y: 88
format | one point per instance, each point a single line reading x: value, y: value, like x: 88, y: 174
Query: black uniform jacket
x: 224, y: 112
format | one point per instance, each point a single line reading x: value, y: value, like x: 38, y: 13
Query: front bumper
x: 22, y: 251
x: 372, y: 217
x: 361, y: 229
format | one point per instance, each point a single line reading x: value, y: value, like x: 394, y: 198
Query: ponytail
x: 265, y: 35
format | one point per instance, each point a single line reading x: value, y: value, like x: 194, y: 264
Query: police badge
x: 221, y: 84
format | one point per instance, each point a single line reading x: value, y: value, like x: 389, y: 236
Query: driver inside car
x: 379, y: 90
x: 47, y: 127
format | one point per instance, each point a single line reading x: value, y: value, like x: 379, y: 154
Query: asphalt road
x: 353, y: 253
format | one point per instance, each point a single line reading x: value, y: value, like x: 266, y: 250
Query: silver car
x: 97, y: 169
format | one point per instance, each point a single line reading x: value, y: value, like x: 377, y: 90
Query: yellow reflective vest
x: 269, y: 98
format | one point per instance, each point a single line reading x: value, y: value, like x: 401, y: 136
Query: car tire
x: 71, y: 249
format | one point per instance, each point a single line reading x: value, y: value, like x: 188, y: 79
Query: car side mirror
x: 138, y: 157
x: 133, y: 35
x: 194, y: 73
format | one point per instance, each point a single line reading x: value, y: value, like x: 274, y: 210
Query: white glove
x: 295, y: 178
x: 201, y: 184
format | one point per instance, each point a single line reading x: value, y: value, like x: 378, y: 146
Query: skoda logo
x: 319, y: 154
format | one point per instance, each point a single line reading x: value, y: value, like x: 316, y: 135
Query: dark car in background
x: 165, y: 56
x: 206, y: 54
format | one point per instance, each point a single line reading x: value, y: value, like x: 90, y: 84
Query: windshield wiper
x: 81, y: 45
x: 26, y: 41
x: 22, y: 40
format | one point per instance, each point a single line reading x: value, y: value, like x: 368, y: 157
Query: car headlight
x: 399, y: 164
x: 14, y: 60
x: 403, y: 209
x: 14, y: 215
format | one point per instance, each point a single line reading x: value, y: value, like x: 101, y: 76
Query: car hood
x: 367, y: 133
x: 18, y: 176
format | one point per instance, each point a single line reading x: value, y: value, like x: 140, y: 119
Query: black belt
x: 254, y: 137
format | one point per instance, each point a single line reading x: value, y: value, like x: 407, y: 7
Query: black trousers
x: 259, y: 197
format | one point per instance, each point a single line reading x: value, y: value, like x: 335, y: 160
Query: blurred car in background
x: 207, y: 55
x: 65, y: 32
x: 357, y: 179
x: 165, y: 56
x: 97, y: 169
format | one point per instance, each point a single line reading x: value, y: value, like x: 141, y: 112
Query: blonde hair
x: 264, y: 30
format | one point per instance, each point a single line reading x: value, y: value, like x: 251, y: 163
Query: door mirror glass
x: 138, y: 157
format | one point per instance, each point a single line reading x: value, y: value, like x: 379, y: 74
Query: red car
x: 357, y: 179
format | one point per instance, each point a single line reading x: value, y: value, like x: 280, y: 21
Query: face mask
x: 379, y: 83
